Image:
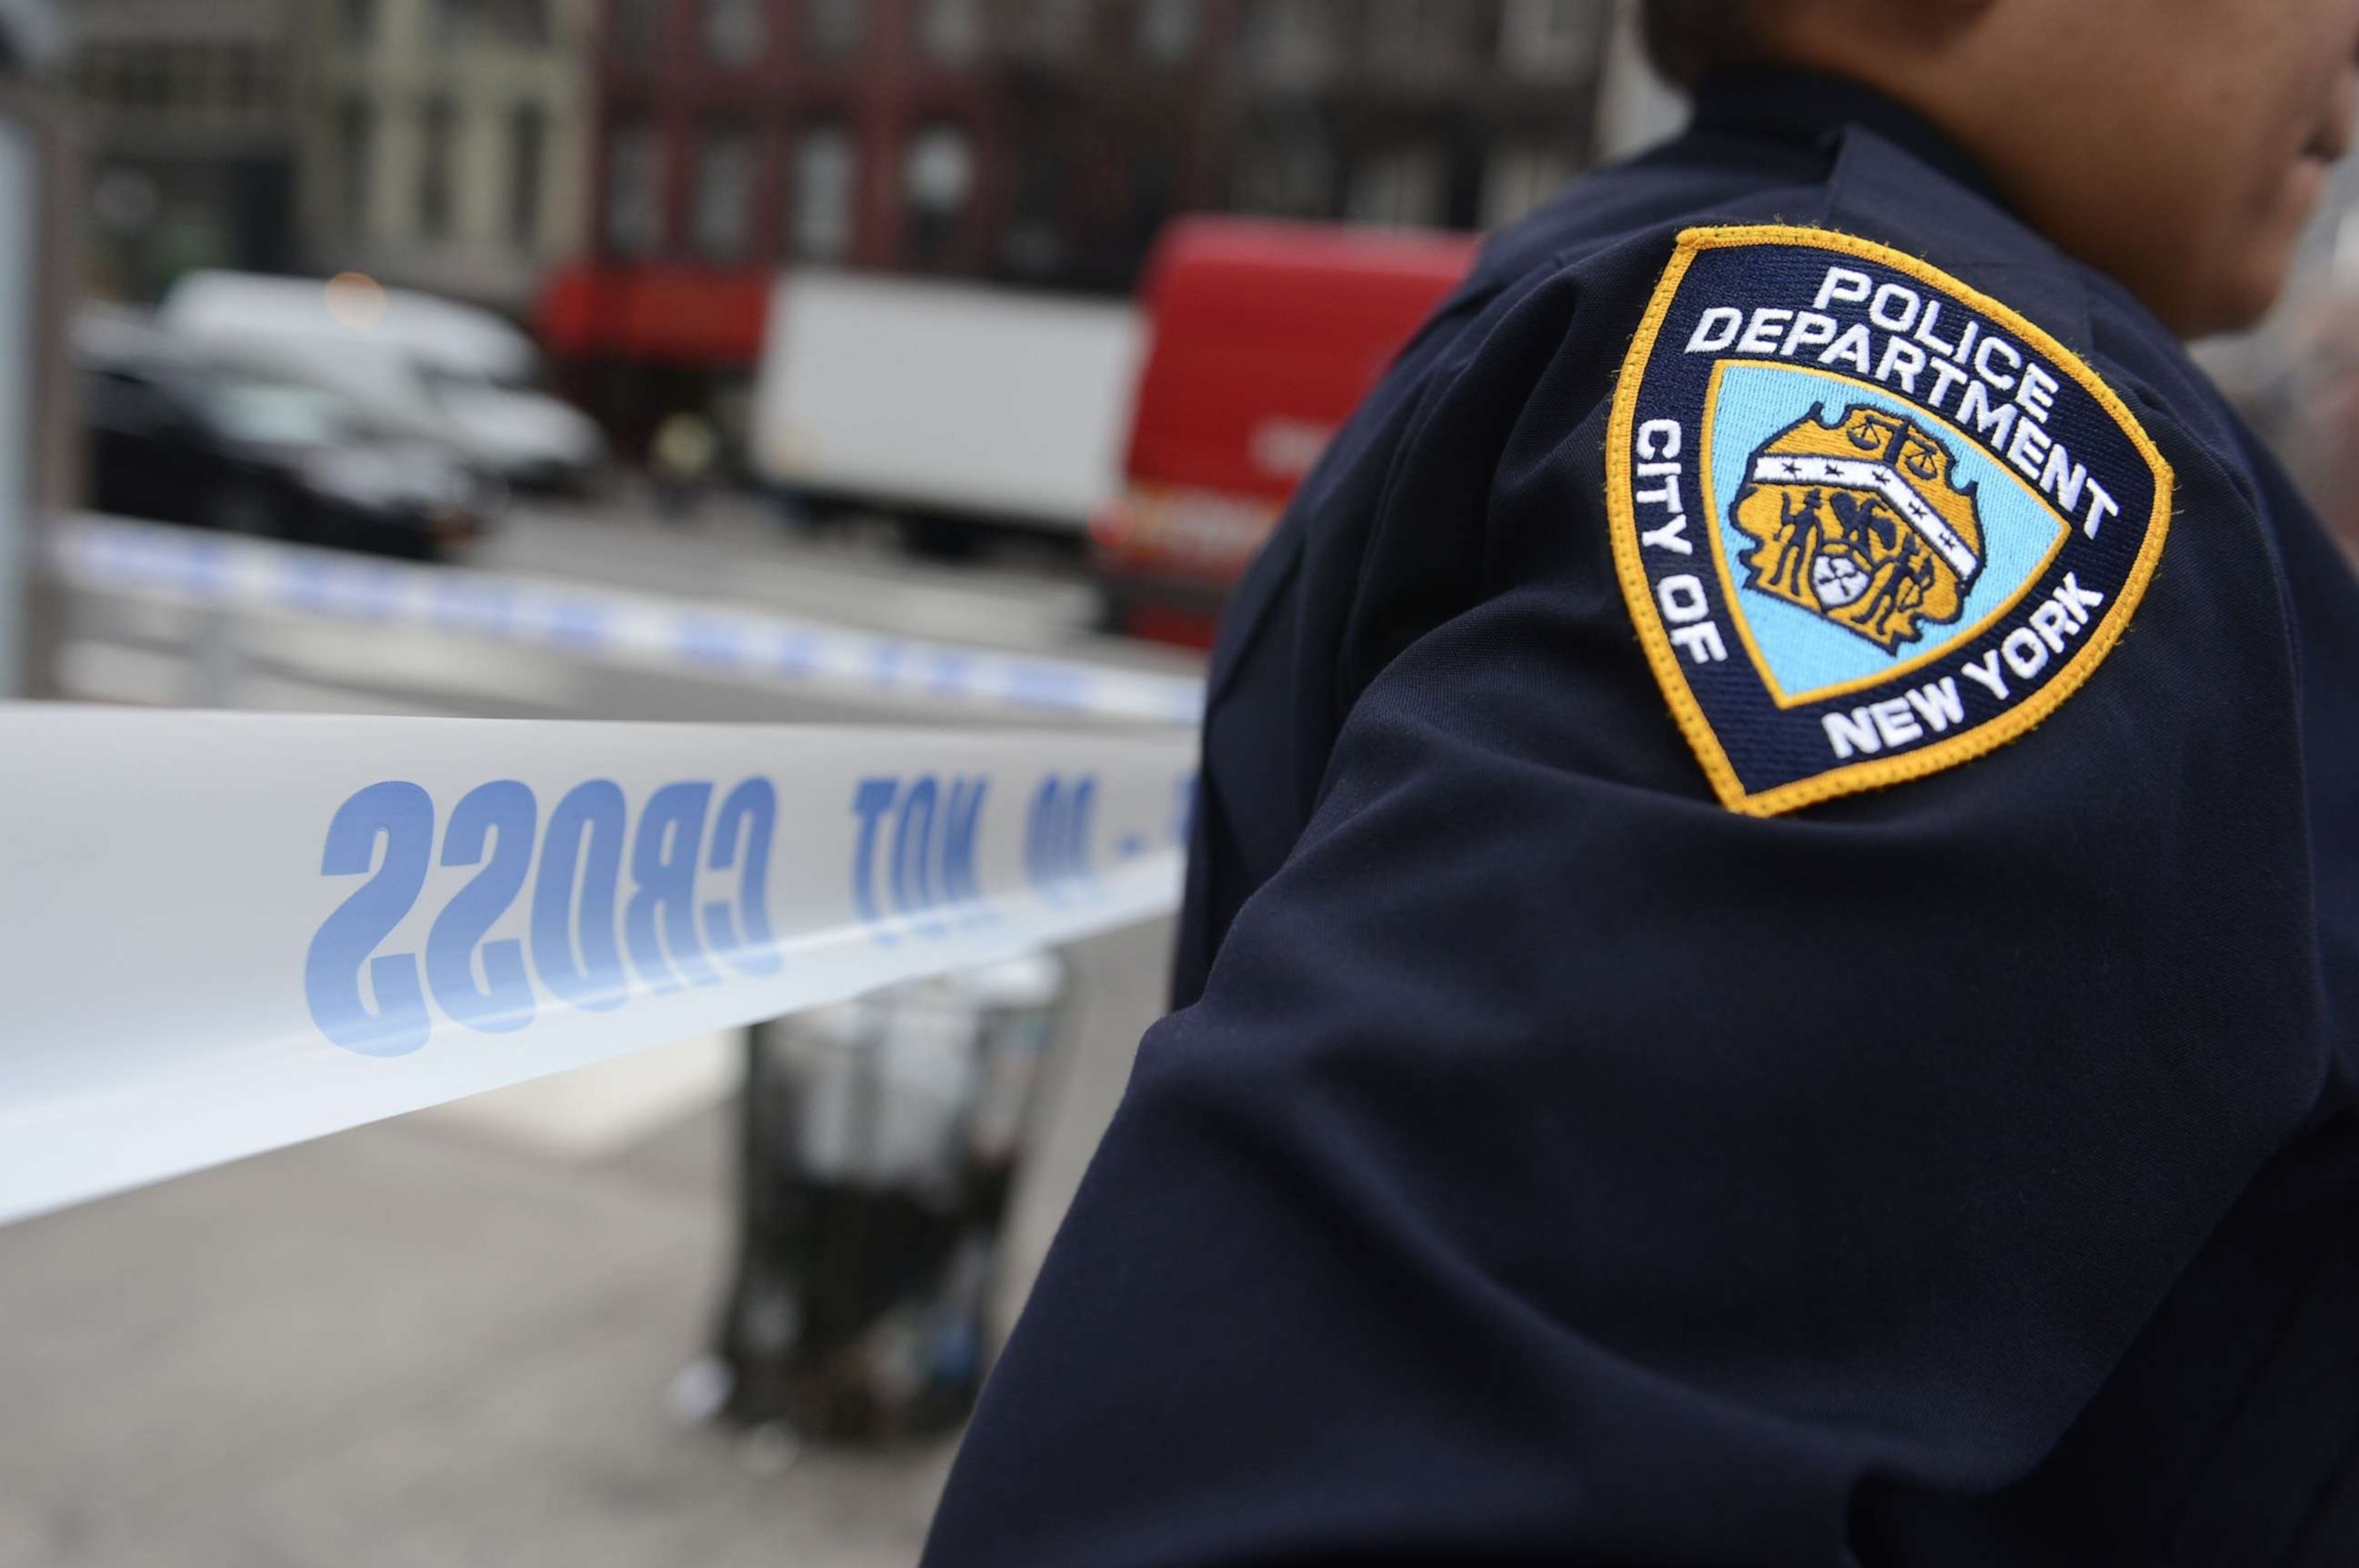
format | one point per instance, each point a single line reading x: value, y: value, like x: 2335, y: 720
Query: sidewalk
x: 435, y: 1341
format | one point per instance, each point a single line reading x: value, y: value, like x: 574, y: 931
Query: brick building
x: 1038, y: 142
x: 1050, y: 138
x: 969, y: 136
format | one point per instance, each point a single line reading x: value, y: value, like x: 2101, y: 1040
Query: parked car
x: 1263, y: 336
x: 458, y: 374
x: 176, y: 439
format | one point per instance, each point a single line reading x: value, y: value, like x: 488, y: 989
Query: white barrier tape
x: 109, y: 555
x: 226, y: 932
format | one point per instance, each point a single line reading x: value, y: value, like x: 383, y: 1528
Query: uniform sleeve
x: 1559, y: 1167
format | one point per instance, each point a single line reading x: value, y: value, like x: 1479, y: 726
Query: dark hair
x: 1690, y: 39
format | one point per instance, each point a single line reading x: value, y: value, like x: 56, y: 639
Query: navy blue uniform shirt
x: 1549, y: 1164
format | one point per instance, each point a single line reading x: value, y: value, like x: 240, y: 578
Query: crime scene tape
x: 226, y: 932
x: 188, y: 566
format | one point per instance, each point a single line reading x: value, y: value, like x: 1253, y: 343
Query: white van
x: 419, y: 363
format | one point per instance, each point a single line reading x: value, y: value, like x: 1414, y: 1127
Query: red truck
x: 1264, y: 336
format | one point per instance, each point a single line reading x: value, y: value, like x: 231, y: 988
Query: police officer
x: 1773, y: 950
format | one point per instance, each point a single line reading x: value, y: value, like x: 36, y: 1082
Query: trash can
x: 880, y: 1140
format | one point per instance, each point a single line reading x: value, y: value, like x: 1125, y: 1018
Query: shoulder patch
x: 1871, y: 523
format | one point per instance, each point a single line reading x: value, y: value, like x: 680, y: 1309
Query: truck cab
x: 1263, y: 337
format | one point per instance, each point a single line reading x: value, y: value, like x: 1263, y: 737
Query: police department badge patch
x: 1871, y: 523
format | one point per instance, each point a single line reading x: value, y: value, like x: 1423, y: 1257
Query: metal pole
x: 20, y: 230
x: 40, y: 471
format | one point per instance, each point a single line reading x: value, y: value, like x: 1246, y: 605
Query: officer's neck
x: 1809, y: 111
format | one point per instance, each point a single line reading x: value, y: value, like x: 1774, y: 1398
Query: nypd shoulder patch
x: 1871, y: 523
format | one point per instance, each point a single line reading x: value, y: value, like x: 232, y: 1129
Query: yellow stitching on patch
x: 1638, y: 591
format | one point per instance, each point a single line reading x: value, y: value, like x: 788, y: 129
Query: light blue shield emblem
x: 1859, y: 536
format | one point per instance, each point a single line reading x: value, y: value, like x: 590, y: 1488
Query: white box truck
x: 956, y: 406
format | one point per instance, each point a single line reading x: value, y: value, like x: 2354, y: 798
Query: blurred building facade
x: 963, y: 136
x: 193, y: 117
x: 1049, y: 139
x: 1041, y: 142
x: 448, y: 142
x: 1439, y: 112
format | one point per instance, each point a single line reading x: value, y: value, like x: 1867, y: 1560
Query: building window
x: 133, y: 64
x: 1550, y: 40
x: 356, y: 22
x: 355, y: 154
x: 1519, y: 179
x: 1167, y: 31
x: 1154, y: 186
x: 937, y: 182
x: 831, y: 28
x: 527, y: 154
x: 950, y: 32
x: 166, y: 73
x: 636, y: 31
x: 1035, y: 228
x: 111, y: 72
x: 721, y: 222
x: 1416, y: 38
x: 1052, y: 28
x: 504, y: 24
x: 1405, y: 186
x: 634, y: 189
x: 455, y: 24
x: 438, y: 130
x: 1293, y: 42
x: 1286, y: 168
x: 241, y: 77
x: 826, y: 194
x: 523, y: 23
x: 736, y: 32
x: 124, y: 201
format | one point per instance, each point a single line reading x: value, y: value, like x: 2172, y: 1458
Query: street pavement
x: 452, y: 1337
